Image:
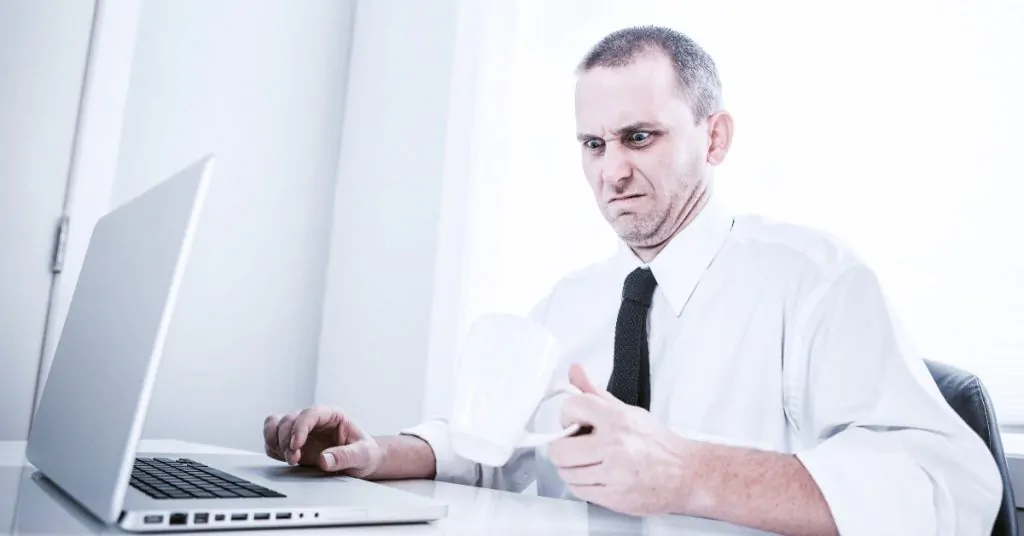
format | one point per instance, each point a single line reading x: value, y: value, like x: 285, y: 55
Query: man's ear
x: 719, y: 136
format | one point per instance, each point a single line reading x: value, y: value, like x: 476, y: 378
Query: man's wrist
x: 690, y: 459
x: 405, y: 457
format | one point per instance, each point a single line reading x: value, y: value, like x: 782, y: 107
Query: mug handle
x: 534, y: 439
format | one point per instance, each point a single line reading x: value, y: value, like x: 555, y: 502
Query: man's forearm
x: 764, y: 490
x: 405, y: 457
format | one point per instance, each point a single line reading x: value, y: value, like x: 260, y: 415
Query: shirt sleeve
x: 889, y: 455
x: 516, y: 475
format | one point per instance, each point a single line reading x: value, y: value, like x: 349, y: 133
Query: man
x: 755, y: 373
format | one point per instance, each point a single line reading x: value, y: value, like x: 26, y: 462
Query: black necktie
x: 631, y: 374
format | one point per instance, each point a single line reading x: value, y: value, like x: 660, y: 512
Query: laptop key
x: 256, y: 489
x: 272, y: 494
x: 148, y: 490
x: 221, y: 474
x: 185, y: 478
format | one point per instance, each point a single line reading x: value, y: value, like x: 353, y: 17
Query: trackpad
x: 286, y: 473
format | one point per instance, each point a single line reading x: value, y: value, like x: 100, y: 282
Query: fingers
x: 284, y: 436
x: 270, y: 443
x: 351, y: 458
x: 586, y: 410
x: 576, y: 451
x: 318, y: 417
x: 590, y: 475
x: 578, y: 377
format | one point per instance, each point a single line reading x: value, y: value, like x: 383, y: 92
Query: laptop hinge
x: 60, y: 247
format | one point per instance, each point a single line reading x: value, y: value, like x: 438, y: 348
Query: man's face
x: 644, y: 155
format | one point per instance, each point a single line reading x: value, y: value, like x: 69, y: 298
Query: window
x: 895, y: 126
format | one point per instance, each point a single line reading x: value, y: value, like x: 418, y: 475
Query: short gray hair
x: 698, y: 76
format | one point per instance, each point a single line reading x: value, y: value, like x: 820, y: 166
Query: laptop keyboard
x: 164, y: 478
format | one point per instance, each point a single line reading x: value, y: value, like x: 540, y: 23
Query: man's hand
x: 322, y: 437
x: 629, y: 462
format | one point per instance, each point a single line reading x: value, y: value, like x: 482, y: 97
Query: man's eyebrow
x: 632, y: 127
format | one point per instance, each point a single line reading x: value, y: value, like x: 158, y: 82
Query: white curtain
x: 893, y: 125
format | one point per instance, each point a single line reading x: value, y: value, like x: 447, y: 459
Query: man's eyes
x: 632, y: 139
x: 638, y: 138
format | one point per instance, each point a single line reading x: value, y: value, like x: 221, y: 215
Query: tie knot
x: 639, y: 286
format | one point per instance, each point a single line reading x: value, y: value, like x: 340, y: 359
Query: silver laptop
x: 86, y: 430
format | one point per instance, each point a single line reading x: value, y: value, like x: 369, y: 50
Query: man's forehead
x: 613, y: 122
x: 611, y: 98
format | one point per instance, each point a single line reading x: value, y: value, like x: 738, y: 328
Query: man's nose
x: 616, y: 168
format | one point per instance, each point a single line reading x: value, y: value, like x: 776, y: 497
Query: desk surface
x: 27, y: 508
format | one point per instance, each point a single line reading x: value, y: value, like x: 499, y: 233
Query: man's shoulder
x: 581, y: 284
x: 590, y: 272
x: 810, y: 248
x: 587, y: 277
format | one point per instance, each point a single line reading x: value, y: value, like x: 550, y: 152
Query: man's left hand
x: 629, y: 462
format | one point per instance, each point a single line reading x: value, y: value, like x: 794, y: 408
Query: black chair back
x: 969, y: 399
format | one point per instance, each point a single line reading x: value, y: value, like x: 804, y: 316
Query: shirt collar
x: 679, y: 266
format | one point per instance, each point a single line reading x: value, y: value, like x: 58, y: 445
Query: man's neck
x: 687, y: 215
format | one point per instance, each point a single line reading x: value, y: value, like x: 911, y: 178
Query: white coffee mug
x: 505, y: 371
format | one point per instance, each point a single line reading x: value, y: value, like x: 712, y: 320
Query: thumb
x: 341, y: 458
x: 578, y: 378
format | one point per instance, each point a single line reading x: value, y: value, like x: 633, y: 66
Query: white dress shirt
x: 776, y: 337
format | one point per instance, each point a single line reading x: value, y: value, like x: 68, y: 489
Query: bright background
x: 389, y: 169
x: 893, y: 125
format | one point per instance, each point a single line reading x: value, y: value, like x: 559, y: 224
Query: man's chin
x: 637, y: 237
x: 636, y: 231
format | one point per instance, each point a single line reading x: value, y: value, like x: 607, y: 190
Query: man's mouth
x: 625, y: 197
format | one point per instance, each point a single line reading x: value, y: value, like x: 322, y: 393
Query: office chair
x: 969, y: 399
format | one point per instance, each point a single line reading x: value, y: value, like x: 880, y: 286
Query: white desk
x: 28, y: 508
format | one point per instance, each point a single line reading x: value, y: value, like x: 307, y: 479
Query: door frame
x: 94, y: 158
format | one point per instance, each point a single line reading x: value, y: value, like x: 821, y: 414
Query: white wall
x: 94, y: 162
x: 380, y: 288
x: 262, y: 85
x: 43, y: 49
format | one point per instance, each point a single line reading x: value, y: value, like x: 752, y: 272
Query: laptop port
x: 261, y: 517
x: 283, y: 515
x: 239, y: 517
x: 201, y: 518
x: 219, y: 517
x: 179, y: 519
x: 153, y: 520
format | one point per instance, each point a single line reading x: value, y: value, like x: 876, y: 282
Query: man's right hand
x: 322, y: 437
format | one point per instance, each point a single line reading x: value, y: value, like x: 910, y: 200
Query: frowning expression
x: 644, y: 154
